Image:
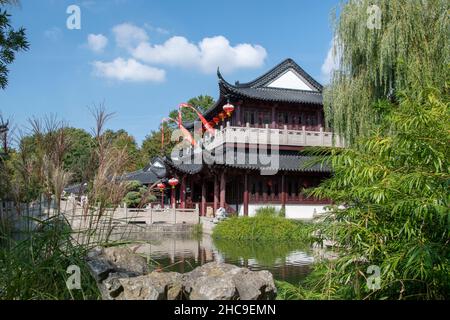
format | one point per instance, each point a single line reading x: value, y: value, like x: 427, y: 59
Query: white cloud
x: 97, y: 42
x: 128, y: 70
x: 128, y: 35
x: 331, y: 63
x: 207, y: 55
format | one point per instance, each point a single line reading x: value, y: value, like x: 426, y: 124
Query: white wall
x: 293, y: 211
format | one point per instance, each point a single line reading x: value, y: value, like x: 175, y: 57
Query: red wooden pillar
x: 203, y: 205
x: 274, y: 120
x: 222, y: 189
x: 216, y: 193
x: 283, y: 191
x: 172, y: 198
x: 246, y: 194
x: 183, y: 193
x: 237, y: 115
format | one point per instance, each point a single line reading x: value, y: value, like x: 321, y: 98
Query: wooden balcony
x: 270, y: 136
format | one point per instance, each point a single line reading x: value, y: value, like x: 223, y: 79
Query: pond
x: 183, y: 252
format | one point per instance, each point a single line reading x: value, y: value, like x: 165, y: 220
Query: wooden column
x: 274, y: 121
x: 283, y: 191
x: 183, y: 193
x: 246, y: 194
x: 216, y: 193
x: 203, y: 205
x: 238, y: 115
x: 223, y: 184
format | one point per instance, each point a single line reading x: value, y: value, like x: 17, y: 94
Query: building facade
x: 254, y: 158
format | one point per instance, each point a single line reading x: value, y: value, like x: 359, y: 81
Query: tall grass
x: 38, y: 242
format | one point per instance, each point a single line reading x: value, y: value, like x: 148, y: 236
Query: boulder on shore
x: 123, y: 275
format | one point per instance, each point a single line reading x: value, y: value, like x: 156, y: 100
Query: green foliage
x: 268, y: 211
x: 201, y: 103
x: 35, y: 268
x: 78, y: 156
x: 121, y: 140
x: 151, y: 146
x: 11, y: 42
x: 391, y: 205
x: 410, y: 49
x: 264, y: 227
x: 137, y: 195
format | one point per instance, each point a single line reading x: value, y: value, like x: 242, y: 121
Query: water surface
x: 184, y: 252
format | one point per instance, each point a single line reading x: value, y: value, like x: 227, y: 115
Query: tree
x: 391, y: 205
x: 122, y: 140
x: 201, y: 103
x: 412, y: 46
x: 151, y: 146
x: 77, y: 158
x: 11, y: 42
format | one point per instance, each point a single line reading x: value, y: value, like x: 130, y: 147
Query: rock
x: 220, y: 281
x: 111, y: 288
x: 126, y: 260
x: 253, y: 285
x: 100, y: 269
x: 213, y: 288
x: 123, y: 275
x: 139, y: 288
x: 155, y: 286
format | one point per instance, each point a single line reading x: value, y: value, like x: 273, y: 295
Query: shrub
x: 263, y: 227
x: 267, y: 211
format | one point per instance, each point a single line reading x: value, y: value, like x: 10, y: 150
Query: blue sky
x: 142, y: 58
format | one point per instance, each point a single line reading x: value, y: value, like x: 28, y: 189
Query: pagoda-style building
x: 254, y: 159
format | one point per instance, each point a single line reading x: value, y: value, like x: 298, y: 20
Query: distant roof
x: 144, y: 177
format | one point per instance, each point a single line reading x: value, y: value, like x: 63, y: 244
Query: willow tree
x: 383, y: 47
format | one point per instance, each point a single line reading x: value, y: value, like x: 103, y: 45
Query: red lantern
x: 161, y: 186
x: 222, y: 115
x: 173, y: 182
x: 216, y: 120
x: 228, y: 108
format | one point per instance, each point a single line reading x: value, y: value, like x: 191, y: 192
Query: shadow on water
x: 183, y: 252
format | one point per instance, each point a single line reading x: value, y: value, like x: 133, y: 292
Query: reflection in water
x: 183, y: 252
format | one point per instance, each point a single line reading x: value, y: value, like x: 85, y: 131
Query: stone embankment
x: 124, y: 275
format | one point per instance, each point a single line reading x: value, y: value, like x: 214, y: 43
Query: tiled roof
x: 144, y: 177
x: 258, y: 89
x: 285, y: 162
x: 273, y: 94
x: 275, y: 72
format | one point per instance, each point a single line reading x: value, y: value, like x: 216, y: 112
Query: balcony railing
x: 270, y: 136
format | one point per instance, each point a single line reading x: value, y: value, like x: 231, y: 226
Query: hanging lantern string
x: 187, y: 135
x: 205, y: 122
